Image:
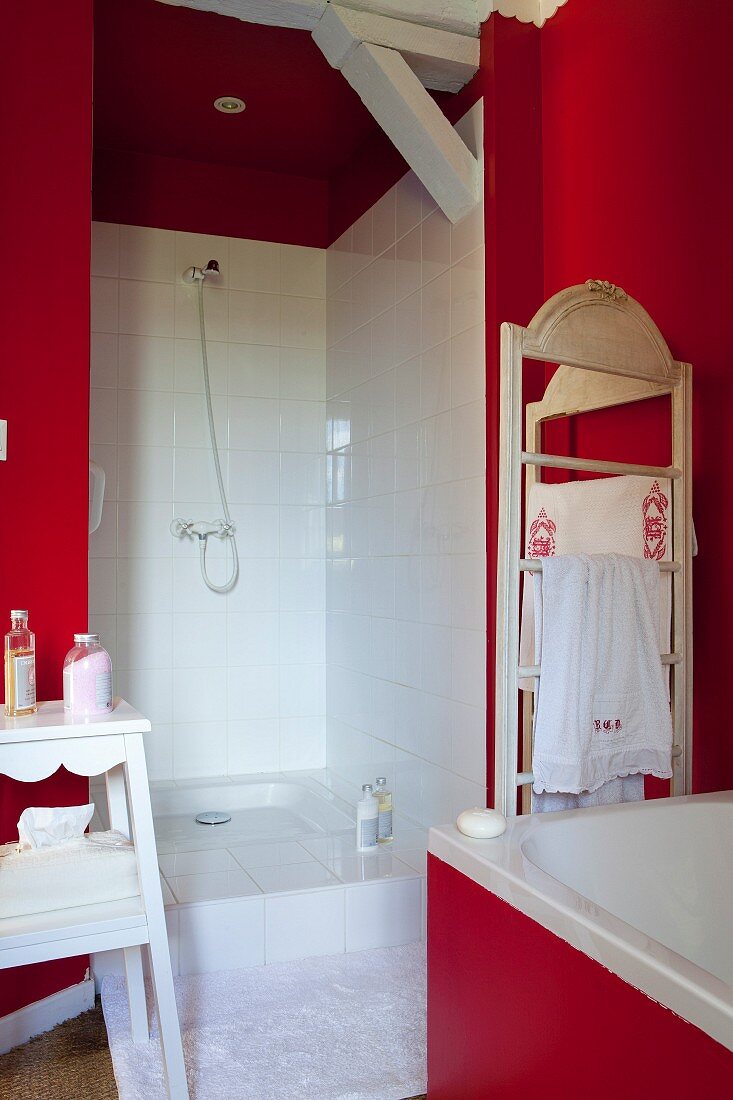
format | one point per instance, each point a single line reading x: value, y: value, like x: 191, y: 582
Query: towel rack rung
x: 528, y: 672
x: 524, y: 778
x: 597, y: 466
x: 536, y: 565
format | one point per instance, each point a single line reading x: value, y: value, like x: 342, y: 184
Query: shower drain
x: 213, y: 817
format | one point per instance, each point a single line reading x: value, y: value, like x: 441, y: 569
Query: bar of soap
x: 483, y: 824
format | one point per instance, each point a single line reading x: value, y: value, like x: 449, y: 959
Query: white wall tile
x: 147, y: 254
x: 253, y: 746
x: 146, y: 309
x: 144, y: 641
x: 145, y: 419
x: 186, y: 313
x: 405, y: 638
x: 318, y: 916
x: 253, y: 692
x: 105, y: 249
x: 103, y: 357
x: 252, y: 638
x: 146, y: 362
x: 303, y: 271
x: 102, y: 415
x: 254, y: 318
x: 383, y: 914
x: 302, y: 743
x: 225, y: 936
x: 254, y: 265
x: 145, y: 473
x: 196, y: 249
x: 199, y: 639
x: 149, y: 429
x: 104, y: 304
x: 302, y: 426
x: 144, y: 530
x: 302, y: 374
x: 200, y: 746
x: 189, y: 373
x: 254, y: 477
x: 254, y: 370
x: 303, y: 322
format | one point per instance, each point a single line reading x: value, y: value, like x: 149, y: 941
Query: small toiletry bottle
x: 87, y: 677
x: 367, y: 819
x: 20, y: 667
x: 384, y: 798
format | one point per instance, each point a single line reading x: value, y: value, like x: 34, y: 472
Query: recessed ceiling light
x: 229, y: 105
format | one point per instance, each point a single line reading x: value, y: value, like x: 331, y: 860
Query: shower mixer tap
x: 201, y: 528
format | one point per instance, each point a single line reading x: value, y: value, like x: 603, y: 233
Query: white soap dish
x: 481, y: 823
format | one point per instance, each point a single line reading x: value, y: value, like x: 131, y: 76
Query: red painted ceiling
x: 159, y: 68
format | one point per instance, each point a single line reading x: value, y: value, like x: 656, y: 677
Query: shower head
x: 198, y: 274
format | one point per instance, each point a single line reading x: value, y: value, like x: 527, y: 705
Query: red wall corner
x: 45, y: 210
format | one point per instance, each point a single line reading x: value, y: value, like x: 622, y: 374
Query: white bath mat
x: 344, y: 1027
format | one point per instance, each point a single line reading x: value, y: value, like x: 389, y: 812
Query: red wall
x: 637, y: 190
x: 44, y: 384
x: 170, y: 193
x: 515, y: 1012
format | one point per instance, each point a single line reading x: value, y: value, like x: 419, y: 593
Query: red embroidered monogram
x: 654, y: 511
x: 542, y: 536
x: 608, y: 725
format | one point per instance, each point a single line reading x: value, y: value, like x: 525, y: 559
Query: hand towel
x: 602, y: 707
x: 615, y: 515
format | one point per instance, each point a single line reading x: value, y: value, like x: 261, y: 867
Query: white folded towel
x: 602, y: 705
x: 614, y: 515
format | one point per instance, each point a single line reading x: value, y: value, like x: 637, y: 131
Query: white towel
x: 614, y: 515
x: 602, y: 705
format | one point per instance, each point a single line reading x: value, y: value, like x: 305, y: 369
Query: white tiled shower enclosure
x: 349, y: 402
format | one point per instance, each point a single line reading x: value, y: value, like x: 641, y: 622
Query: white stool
x: 33, y: 748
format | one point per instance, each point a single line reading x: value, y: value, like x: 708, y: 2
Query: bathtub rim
x: 500, y: 866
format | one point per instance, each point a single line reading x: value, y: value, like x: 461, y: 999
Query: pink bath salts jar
x: 87, y: 677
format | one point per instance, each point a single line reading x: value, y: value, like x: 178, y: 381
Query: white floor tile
x: 369, y: 867
x: 213, y: 885
x: 296, y: 876
x: 196, y: 863
x: 271, y: 855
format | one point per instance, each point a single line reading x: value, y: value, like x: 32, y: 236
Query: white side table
x: 33, y: 748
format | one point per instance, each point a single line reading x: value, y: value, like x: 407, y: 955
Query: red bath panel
x: 514, y: 1012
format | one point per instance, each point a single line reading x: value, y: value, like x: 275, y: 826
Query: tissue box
x: 89, y: 869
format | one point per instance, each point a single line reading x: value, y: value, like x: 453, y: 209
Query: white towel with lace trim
x: 602, y: 706
x: 613, y: 515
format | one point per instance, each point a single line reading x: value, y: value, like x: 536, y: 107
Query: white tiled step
x: 251, y: 930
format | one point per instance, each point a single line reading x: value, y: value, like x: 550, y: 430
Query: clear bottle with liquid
x: 20, y: 667
x: 367, y: 820
x: 384, y: 798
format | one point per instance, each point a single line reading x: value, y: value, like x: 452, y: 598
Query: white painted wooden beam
x: 300, y: 14
x: 393, y: 94
x: 441, y: 59
x: 460, y: 16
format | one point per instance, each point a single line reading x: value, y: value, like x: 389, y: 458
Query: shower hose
x: 227, y: 528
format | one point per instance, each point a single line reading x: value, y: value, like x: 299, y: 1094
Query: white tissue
x: 45, y: 826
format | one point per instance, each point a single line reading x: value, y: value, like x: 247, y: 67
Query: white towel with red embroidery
x: 602, y: 707
x: 615, y: 515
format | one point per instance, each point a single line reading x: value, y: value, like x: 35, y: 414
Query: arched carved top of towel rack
x: 623, y: 358
x: 596, y: 325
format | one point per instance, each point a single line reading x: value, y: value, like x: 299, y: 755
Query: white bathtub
x: 646, y: 889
